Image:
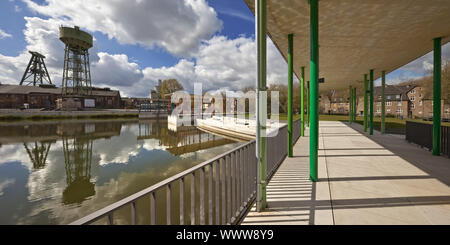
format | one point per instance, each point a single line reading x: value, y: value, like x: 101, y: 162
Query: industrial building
x: 43, y: 97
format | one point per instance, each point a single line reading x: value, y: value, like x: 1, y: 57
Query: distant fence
x: 422, y: 135
x: 220, y: 191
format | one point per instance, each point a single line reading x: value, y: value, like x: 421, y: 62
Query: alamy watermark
x: 231, y: 108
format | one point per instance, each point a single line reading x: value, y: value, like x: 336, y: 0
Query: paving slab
x: 363, y: 179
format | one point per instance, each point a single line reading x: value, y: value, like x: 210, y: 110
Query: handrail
x: 237, y: 170
x: 112, y: 207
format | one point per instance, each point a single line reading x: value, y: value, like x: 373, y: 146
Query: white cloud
x: 424, y: 64
x: 178, y: 26
x: 3, y: 34
x: 41, y: 36
x: 221, y: 63
x: 5, y: 183
x: 115, y: 70
x: 237, y: 14
x: 218, y: 63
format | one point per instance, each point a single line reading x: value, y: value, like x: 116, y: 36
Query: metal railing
x: 445, y: 140
x: 220, y: 191
x: 422, y: 135
x: 296, y: 127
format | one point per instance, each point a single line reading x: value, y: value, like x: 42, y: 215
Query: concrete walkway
x: 378, y: 179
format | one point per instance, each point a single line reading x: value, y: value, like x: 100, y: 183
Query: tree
x: 169, y: 86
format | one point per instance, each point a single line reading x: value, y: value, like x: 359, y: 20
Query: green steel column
x: 302, y: 100
x: 383, y: 114
x: 260, y: 28
x: 371, y: 103
x: 307, y: 103
x: 354, y: 104
x: 350, y: 104
x: 437, y: 97
x: 290, y: 81
x: 365, y: 103
x: 314, y: 86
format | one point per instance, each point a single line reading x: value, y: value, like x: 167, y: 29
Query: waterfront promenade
x: 378, y: 179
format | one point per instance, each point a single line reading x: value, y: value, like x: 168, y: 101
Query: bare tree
x: 169, y: 86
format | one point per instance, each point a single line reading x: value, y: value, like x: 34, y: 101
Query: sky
x: 138, y: 42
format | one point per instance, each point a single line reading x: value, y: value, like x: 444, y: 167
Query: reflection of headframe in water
x: 38, y: 153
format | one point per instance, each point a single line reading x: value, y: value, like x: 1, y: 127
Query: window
x: 378, y: 103
x: 379, y: 97
x: 378, y: 110
x: 399, y: 103
x: 420, y: 95
x: 388, y: 103
x: 413, y: 91
x: 399, y: 110
x: 420, y: 102
x: 420, y: 112
x: 412, y: 98
x: 388, y: 97
x: 397, y: 96
x: 413, y: 106
x: 388, y: 110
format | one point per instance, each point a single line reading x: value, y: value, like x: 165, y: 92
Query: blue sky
x: 137, y: 43
x: 237, y: 20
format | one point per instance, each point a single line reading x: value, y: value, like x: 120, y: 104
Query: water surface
x: 57, y: 172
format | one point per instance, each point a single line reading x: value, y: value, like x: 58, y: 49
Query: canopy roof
x: 358, y: 35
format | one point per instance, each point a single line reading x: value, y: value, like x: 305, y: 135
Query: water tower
x: 76, y: 74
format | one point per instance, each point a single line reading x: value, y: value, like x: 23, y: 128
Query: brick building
x: 404, y: 101
x: 38, y: 97
x: 421, y: 105
x: 337, y: 106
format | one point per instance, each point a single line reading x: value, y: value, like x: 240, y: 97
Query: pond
x: 57, y: 172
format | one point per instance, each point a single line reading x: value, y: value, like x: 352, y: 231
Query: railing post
x: 110, y: 219
x: 193, y: 198
x: 133, y: 213
x: 223, y: 180
x: 217, y: 191
x: 302, y: 100
x: 153, y: 208
x: 168, y: 204
x: 242, y: 176
x: 210, y: 193
x: 233, y: 182
x: 182, y: 201
x: 228, y: 163
x: 202, y: 196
